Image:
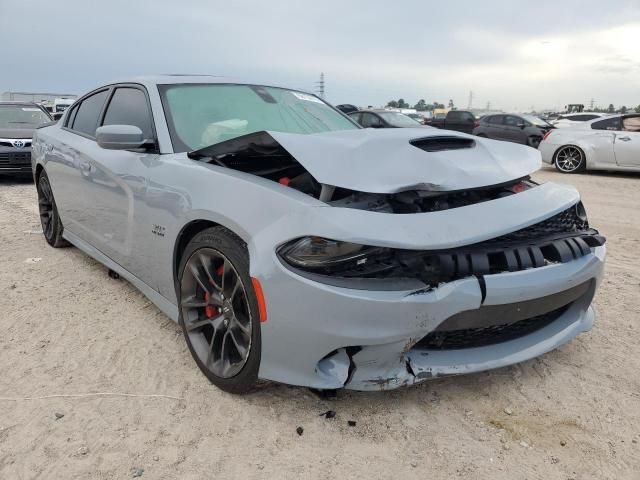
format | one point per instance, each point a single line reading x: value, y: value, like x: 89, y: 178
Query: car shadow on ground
x: 15, y: 180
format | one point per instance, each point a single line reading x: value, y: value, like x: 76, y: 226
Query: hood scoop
x: 442, y: 143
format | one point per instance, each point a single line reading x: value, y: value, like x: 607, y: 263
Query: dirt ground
x: 68, y: 329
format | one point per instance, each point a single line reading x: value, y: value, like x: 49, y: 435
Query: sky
x: 515, y: 55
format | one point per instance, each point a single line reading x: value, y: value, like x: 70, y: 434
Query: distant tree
x: 450, y: 103
x: 623, y: 109
x: 402, y: 103
x: 637, y: 109
x: 392, y: 104
x: 611, y: 108
x: 438, y: 105
x: 421, y: 106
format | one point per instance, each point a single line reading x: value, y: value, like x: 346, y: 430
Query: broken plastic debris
x: 300, y: 431
x: 33, y: 260
x: 328, y: 414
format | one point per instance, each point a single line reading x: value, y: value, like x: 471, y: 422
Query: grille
x: 21, y: 158
x: 482, y: 337
x: 567, y: 221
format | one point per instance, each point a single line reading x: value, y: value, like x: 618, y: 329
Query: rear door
x: 511, y: 129
x: 495, y: 127
x: 68, y: 160
x: 627, y: 142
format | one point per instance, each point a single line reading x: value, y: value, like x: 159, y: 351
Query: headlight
x: 318, y: 252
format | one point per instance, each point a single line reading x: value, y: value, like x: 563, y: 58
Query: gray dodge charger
x: 292, y: 245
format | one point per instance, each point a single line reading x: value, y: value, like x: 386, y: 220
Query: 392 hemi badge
x: 158, y: 230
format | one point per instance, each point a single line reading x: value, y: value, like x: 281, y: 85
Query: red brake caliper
x: 210, y: 310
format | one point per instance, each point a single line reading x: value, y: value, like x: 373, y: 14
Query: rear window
x: 88, y: 113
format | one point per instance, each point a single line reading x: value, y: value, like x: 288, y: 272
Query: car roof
x: 180, y: 79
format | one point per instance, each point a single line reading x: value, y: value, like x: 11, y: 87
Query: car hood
x: 16, y: 132
x: 394, y: 160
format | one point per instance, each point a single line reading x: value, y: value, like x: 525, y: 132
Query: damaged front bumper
x: 372, y: 340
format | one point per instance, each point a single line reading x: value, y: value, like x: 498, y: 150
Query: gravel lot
x: 68, y: 329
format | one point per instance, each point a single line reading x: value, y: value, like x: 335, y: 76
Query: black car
x: 457, y: 120
x: 384, y: 119
x: 518, y: 128
x: 18, y: 120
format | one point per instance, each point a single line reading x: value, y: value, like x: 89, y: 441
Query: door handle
x: 624, y: 139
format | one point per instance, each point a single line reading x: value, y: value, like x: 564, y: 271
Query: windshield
x: 538, y: 122
x: 21, y: 116
x: 396, y: 119
x: 202, y: 115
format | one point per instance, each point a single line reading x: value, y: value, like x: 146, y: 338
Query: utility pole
x: 470, y: 100
x: 320, y: 86
x: 591, y: 103
x: 488, y: 105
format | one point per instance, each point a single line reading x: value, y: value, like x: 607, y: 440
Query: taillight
x: 546, y: 135
x: 476, y: 124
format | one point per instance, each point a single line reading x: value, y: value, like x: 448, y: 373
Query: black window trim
x: 136, y: 86
x: 76, y: 106
x: 110, y: 89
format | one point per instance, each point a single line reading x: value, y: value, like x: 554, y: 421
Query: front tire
x: 219, y: 313
x: 49, y: 218
x: 570, y: 159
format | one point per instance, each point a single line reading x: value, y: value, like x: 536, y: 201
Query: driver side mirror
x: 120, y: 137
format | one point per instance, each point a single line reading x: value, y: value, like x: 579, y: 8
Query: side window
x: 71, y: 116
x: 454, y: 116
x: 86, y: 119
x: 356, y: 117
x: 370, y: 120
x: 496, y: 120
x: 512, y: 121
x: 631, y: 123
x: 128, y: 106
x: 608, y: 124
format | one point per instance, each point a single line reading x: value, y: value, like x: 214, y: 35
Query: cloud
x: 510, y: 53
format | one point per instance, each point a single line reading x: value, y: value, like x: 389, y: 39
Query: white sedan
x: 612, y: 143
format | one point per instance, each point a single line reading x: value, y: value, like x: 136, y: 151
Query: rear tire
x: 219, y: 313
x: 570, y: 159
x: 534, y: 141
x: 49, y: 218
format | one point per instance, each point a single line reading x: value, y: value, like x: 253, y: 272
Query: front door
x: 627, y: 142
x: 119, y: 179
